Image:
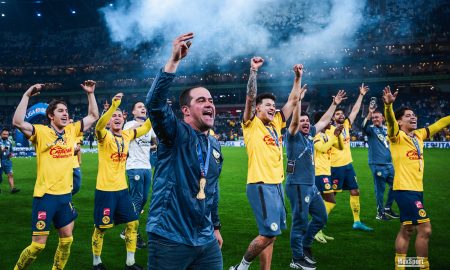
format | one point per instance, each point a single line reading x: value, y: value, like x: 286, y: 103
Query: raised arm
x: 326, y: 118
x: 19, y: 115
x: 100, y: 128
x: 89, y: 87
x: 391, y: 122
x: 161, y: 114
x: 250, y: 100
x: 440, y: 124
x: 365, y: 123
x: 293, y: 98
x: 362, y: 92
x: 144, y: 129
x: 295, y: 122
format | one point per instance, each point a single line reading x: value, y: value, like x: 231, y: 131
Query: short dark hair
x: 262, y: 96
x: 4, y: 129
x: 339, y: 109
x: 317, y: 116
x: 134, y: 104
x: 400, y: 112
x: 185, y: 96
x: 52, y: 107
x: 304, y: 113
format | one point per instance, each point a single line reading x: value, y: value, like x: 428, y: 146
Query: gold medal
x: 201, y: 193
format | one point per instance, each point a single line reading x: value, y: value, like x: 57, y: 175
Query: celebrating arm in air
x: 326, y: 118
x: 250, y: 101
x: 19, y: 115
x: 362, y: 92
x: 294, y: 96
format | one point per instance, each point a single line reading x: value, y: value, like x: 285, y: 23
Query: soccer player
x: 52, y: 202
x: 183, y: 223
x: 342, y: 172
x: 6, y: 163
x: 300, y: 184
x: 408, y: 160
x: 138, y: 167
x: 380, y: 161
x: 77, y: 164
x: 112, y: 200
x: 262, y: 135
x: 324, y: 140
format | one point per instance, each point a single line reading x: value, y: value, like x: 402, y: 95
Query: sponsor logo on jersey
x: 412, y: 155
x: 325, y: 180
x: 61, y: 152
x: 116, y: 157
x: 106, y: 211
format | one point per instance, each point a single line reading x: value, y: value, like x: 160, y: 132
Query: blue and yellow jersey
x: 323, y: 143
x: 113, y: 151
x: 264, y: 149
x: 407, y: 151
x: 342, y: 157
x: 54, y: 156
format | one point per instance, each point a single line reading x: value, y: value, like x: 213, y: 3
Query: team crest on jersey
x: 418, y: 204
x: 106, y: 220
x: 422, y: 213
x: 379, y: 173
x: 137, y: 177
x: 42, y: 215
x: 274, y: 227
x: 325, y: 180
x: 327, y: 186
x: 334, y: 186
x: 216, y: 155
x: 106, y: 211
x: 307, y: 199
x: 40, y: 225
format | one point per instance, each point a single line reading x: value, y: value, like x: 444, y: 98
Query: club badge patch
x: 379, y: 173
x: 307, y: 199
x: 422, y: 213
x: 137, y: 177
x: 216, y: 155
x: 274, y: 227
x: 334, y: 186
x: 327, y: 186
x: 106, y: 220
x: 40, y: 225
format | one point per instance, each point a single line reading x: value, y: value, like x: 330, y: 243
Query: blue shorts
x: 76, y: 180
x: 344, y: 178
x: 267, y: 202
x: 410, y: 204
x: 6, y: 167
x: 323, y: 184
x: 113, y: 207
x: 48, y: 209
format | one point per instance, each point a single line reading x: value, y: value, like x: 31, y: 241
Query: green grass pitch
x: 350, y: 249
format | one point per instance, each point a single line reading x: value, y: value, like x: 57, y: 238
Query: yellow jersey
x: 342, y: 157
x: 54, y: 157
x: 264, y: 150
x: 323, y: 143
x: 79, y: 140
x: 113, y: 151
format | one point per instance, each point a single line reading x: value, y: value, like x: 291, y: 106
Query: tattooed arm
x: 250, y: 101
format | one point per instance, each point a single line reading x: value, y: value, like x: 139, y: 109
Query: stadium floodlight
x: 38, y: 14
x: 73, y: 11
x: 3, y: 15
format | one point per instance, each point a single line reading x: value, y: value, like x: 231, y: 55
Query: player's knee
x: 407, y: 231
x: 424, y: 231
x: 267, y: 240
x: 354, y: 192
x: 36, y: 248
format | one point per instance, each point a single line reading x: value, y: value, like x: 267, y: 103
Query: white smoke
x: 241, y: 27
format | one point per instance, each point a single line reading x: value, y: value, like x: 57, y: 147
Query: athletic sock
x: 354, y: 205
x: 62, y: 253
x: 28, y: 255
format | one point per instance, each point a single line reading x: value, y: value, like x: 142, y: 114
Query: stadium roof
x: 31, y: 15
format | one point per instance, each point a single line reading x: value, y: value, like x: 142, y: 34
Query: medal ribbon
x: 383, y: 135
x: 204, y: 165
x: 417, y: 146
